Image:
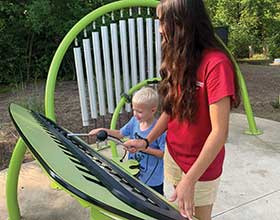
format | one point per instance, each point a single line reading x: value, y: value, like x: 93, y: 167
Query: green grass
x: 35, y: 103
x: 5, y: 89
x: 257, y: 59
x: 276, y: 104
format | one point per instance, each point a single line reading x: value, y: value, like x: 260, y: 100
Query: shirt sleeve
x: 127, y: 129
x: 220, y: 81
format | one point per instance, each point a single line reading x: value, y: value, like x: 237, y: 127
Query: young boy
x: 144, y: 104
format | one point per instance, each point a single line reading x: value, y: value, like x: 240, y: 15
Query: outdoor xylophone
x: 78, y: 168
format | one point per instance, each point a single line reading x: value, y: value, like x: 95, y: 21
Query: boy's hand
x: 95, y: 131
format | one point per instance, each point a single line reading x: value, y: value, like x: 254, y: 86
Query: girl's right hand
x: 184, y: 194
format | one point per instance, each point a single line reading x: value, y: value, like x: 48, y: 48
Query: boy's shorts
x: 205, y: 191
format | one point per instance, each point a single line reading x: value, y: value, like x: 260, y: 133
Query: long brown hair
x: 187, y: 31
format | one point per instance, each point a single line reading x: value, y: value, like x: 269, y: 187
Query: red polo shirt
x: 215, y: 80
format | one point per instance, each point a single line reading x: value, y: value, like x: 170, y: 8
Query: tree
x: 251, y: 22
x: 30, y: 32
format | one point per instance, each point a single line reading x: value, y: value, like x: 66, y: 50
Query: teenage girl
x: 198, y: 88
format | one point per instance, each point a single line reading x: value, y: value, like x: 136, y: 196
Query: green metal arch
x: 253, y: 130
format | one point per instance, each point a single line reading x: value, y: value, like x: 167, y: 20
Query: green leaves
x: 251, y: 22
x: 30, y: 32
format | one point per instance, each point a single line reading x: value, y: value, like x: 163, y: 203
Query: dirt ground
x: 263, y: 83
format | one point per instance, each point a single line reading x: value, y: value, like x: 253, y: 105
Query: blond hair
x: 146, y: 95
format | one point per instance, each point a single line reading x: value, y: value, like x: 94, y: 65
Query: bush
x: 30, y: 32
x: 274, y: 46
x: 13, y: 37
x: 239, y: 41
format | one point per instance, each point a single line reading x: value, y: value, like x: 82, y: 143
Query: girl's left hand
x: 134, y: 145
x: 184, y: 193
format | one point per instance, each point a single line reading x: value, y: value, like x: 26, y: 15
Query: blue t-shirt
x: 151, y: 167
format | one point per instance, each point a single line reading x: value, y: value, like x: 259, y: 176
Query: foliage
x: 12, y: 45
x: 31, y: 30
x: 251, y: 22
x: 274, y: 40
x: 276, y: 104
x: 35, y: 103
